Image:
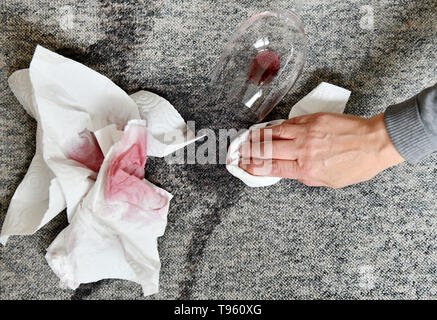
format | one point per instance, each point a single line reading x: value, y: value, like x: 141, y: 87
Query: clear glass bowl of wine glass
x: 261, y: 63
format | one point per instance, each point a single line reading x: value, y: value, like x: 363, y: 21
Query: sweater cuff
x: 407, y: 132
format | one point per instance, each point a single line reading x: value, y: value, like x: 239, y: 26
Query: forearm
x: 412, y: 125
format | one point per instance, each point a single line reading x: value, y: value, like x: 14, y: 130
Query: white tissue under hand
x: 324, y: 98
x: 234, y: 156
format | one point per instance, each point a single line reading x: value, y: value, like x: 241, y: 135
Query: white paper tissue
x: 81, y: 116
x: 325, y: 97
x: 113, y: 233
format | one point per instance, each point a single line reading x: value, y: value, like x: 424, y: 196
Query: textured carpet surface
x: 377, y: 239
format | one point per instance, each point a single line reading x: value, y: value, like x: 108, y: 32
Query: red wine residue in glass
x: 264, y: 67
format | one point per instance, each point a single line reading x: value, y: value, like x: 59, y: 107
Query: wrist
x: 385, y: 152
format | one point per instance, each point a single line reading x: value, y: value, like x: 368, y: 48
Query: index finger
x: 286, y: 131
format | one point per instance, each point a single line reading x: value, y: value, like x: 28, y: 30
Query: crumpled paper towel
x: 114, y: 230
x: 325, y: 97
x: 81, y: 118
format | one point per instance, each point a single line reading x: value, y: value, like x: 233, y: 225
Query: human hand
x: 321, y: 149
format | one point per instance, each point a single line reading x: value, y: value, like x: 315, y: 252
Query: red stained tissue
x: 125, y: 173
x: 86, y: 151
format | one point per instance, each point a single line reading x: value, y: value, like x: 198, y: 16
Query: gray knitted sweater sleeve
x: 412, y: 125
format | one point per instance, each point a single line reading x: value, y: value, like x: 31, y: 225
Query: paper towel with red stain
x: 92, y: 144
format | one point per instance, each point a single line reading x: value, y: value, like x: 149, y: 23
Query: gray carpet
x: 377, y: 239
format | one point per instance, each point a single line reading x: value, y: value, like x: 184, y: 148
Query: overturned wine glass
x: 261, y: 63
